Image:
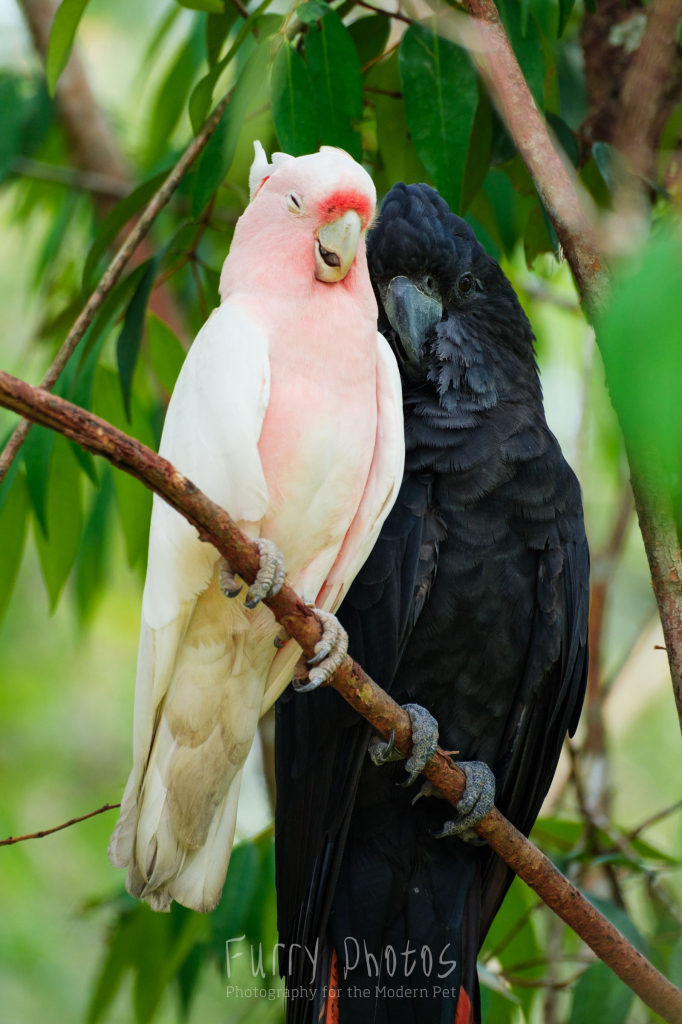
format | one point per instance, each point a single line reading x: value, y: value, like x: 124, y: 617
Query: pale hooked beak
x: 335, y: 247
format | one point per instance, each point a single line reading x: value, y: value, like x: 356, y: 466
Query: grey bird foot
x: 329, y: 653
x: 477, y: 802
x: 424, y: 743
x: 382, y: 753
x: 424, y: 740
x: 268, y: 581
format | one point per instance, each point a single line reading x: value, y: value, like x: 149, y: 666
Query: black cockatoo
x: 473, y: 605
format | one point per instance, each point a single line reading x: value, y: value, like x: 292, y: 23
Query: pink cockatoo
x: 288, y: 413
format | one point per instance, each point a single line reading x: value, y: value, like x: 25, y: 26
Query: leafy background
x: 408, y: 102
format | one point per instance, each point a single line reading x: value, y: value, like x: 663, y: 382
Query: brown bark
x: 651, y: 87
x: 216, y: 527
x: 92, y: 143
x: 551, y: 178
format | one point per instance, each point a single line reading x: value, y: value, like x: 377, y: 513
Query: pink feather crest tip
x: 341, y: 201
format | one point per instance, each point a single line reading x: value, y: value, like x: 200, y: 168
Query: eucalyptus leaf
x: 130, y: 338
x: 527, y: 46
x: 370, y: 36
x: 173, y: 92
x: 134, y: 500
x: 165, y: 352
x: 220, y: 151
x: 441, y: 97
x: 398, y: 157
x: 37, y: 452
x: 217, y: 29
x: 13, y: 523
x: 600, y: 996
x: 11, y: 122
x: 64, y: 517
x: 565, y: 9
x: 294, y: 104
x: 334, y: 68
x: 62, y: 35
x: 116, y: 220
x: 212, y: 6
x: 92, y: 555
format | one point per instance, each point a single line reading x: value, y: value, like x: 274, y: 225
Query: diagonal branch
x: 215, y: 526
x: 114, y: 271
x: 560, y: 198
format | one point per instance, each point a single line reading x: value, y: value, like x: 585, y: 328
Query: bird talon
x: 424, y: 741
x: 270, y: 576
x: 476, y: 804
x: 381, y: 752
x: 282, y: 639
x: 330, y: 651
x: 227, y: 582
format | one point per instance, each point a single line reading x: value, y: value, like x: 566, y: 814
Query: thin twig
x: 86, y: 181
x: 48, y: 831
x: 113, y: 273
x: 398, y: 15
x: 300, y: 622
x: 653, y: 820
x: 384, y: 92
x: 240, y: 8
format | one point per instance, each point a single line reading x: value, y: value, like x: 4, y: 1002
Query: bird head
x: 310, y: 214
x: 436, y: 286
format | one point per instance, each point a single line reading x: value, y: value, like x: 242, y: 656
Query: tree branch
x: 645, y: 86
x: 562, y: 203
x: 554, y: 185
x: 48, y: 831
x: 216, y: 527
x: 113, y: 273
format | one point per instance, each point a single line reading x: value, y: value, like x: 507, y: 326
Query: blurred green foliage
x: 409, y: 103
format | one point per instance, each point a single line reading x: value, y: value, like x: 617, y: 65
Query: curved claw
x: 270, y: 576
x: 381, y: 752
x: 330, y: 651
x: 424, y: 741
x: 476, y: 804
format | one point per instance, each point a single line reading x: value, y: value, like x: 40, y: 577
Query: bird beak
x: 335, y: 247
x: 411, y: 314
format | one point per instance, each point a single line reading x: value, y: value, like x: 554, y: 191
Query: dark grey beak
x: 412, y: 314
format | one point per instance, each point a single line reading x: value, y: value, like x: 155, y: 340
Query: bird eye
x: 294, y: 203
x: 466, y: 283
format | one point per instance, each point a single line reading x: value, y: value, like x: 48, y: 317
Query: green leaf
x: 335, y: 71
x: 399, y: 158
x: 13, y: 522
x: 11, y: 122
x: 37, y: 451
x: 116, y: 961
x: 566, y: 138
x: 62, y: 35
x: 116, y: 220
x: 312, y: 11
x: 202, y: 96
x: 91, y: 562
x: 600, y: 996
x: 212, y: 6
x: 294, y: 106
x: 219, y: 153
x: 528, y: 48
x: 165, y: 352
x: 441, y: 97
x: 565, y: 8
x: 478, y: 157
x: 640, y: 337
x: 130, y: 338
x: 134, y: 500
x: 64, y: 520
x: 172, y: 95
x: 370, y: 36
x: 217, y: 28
